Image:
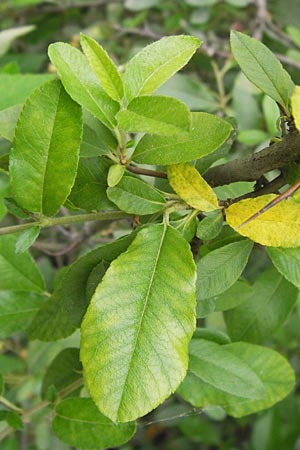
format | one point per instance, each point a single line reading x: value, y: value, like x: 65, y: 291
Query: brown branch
x: 148, y: 172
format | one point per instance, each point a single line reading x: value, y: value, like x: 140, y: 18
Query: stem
x: 10, y: 405
x: 46, y: 222
x: 148, y: 172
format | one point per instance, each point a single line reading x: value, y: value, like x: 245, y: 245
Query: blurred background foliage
x: 212, y: 83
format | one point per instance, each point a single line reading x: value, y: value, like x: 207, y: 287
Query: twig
x: 148, y: 172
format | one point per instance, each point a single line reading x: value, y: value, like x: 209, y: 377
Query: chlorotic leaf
x: 262, y: 68
x: 157, y: 114
x: 191, y: 187
x: 45, y: 154
x: 295, y: 105
x: 135, y: 360
x: 277, y: 227
x: 208, y: 133
x: 157, y: 62
x: 79, y: 423
x: 287, y: 262
x: 81, y: 84
x: 103, y: 67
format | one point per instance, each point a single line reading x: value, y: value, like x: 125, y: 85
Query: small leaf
x: 165, y: 116
x: 208, y: 133
x: 97, y: 139
x: 18, y: 271
x: 145, y: 347
x: 287, y: 262
x: 277, y: 227
x: 81, y: 84
x: 115, y: 173
x: 295, y: 105
x: 15, y: 209
x: 157, y: 62
x: 44, y: 158
x: 191, y: 187
x: 8, y: 121
x: 27, y: 238
x: 8, y: 36
x: 264, y: 311
x: 262, y: 68
x: 14, y: 420
x: 79, y: 423
x: 134, y: 196
x: 209, y: 227
x: 103, y: 67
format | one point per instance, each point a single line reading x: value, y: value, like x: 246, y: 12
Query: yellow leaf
x: 295, y: 104
x: 277, y: 227
x: 191, y: 187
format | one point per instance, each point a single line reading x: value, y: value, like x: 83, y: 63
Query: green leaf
x: 115, y: 173
x: 27, y: 238
x: 103, y: 67
x: 287, y: 262
x: 134, y: 196
x: 79, y: 423
x: 208, y: 133
x: 18, y: 271
x: 62, y: 314
x: 44, y: 159
x: 1, y: 384
x: 157, y: 62
x: 161, y: 115
x: 89, y: 190
x: 271, y: 368
x: 8, y: 36
x: 213, y: 335
x: 238, y: 293
x: 64, y: 370
x: 15, y: 209
x: 219, y: 369
x: 191, y: 187
x: 97, y: 139
x: 262, y: 68
x: 81, y: 84
x: 17, y: 309
x: 14, y: 420
x: 146, y: 346
x: 219, y: 269
x: 8, y: 121
x: 209, y: 227
x: 262, y: 314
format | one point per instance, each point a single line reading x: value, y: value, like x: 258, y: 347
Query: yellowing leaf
x: 277, y: 227
x: 295, y: 104
x: 191, y: 187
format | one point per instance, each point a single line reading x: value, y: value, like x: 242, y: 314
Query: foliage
x: 160, y: 253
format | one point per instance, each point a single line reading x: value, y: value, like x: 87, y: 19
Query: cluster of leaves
x: 136, y: 299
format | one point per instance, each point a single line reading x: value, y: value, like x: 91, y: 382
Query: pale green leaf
x: 157, y: 62
x: 80, y: 424
x: 272, y: 369
x: 212, y: 334
x: 287, y: 262
x: 18, y: 271
x: 262, y: 68
x: 295, y: 105
x: 17, y: 309
x: 115, y: 173
x: 44, y: 158
x: 8, y: 121
x: 191, y: 187
x: 161, y: 115
x: 103, y: 67
x: 27, y: 238
x: 272, y: 299
x: 208, y: 133
x: 139, y: 5
x: 277, y: 227
x: 81, y: 84
x: 209, y: 227
x: 9, y: 35
x: 145, y: 347
x: 62, y: 313
x: 134, y: 196
x: 219, y: 270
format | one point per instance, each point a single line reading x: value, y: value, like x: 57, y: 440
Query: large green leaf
x: 271, y: 301
x: 138, y: 326
x: 8, y: 121
x: 62, y: 313
x: 79, y: 423
x: 18, y: 271
x: 44, y: 159
x: 262, y: 68
x: 219, y: 269
x: 156, y: 115
x: 103, y: 67
x: 134, y: 196
x: 272, y: 369
x: 81, y: 84
x: 157, y: 62
x: 17, y: 309
x: 208, y: 133
x: 287, y: 262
